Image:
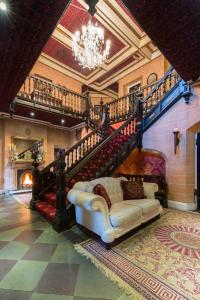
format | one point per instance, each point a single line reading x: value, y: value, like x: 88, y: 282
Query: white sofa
x: 92, y: 211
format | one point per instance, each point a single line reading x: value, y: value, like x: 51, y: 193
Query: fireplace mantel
x: 20, y: 165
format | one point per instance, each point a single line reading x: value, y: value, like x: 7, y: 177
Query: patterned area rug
x: 161, y: 261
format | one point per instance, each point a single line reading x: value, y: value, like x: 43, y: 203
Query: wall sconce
x: 176, y: 133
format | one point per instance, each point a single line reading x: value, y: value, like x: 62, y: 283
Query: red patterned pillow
x: 133, y: 190
x: 101, y: 191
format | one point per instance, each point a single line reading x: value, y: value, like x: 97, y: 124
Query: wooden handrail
x: 52, y: 164
x: 56, y: 85
x: 159, y: 82
x: 108, y: 139
x: 121, y: 108
x: 38, y: 91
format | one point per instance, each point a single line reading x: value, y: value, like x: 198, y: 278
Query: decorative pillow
x: 133, y: 190
x: 101, y: 191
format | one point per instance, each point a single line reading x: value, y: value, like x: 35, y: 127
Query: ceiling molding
x: 129, y: 40
x: 4, y: 115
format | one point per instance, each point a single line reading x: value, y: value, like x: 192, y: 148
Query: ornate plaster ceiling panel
x: 77, y: 12
x: 122, y: 65
x: 61, y: 53
x: 130, y: 46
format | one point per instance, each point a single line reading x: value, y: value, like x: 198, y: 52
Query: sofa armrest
x: 150, y: 189
x: 89, y: 201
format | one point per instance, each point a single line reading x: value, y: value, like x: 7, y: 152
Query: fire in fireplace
x: 24, y: 179
x: 27, y: 180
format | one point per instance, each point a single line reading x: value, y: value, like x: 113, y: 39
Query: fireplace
x: 24, y: 179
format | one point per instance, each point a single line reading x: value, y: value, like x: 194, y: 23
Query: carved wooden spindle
x: 139, y: 117
x: 61, y: 220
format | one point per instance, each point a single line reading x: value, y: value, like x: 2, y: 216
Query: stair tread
x: 46, y: 209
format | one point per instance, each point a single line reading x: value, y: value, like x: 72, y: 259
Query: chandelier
x: 88, y: 46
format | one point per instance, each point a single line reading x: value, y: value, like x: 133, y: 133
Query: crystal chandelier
x: 88, y: 47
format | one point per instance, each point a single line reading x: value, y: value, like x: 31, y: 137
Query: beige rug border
x: 120, y: 283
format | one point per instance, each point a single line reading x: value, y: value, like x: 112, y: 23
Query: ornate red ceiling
x: 64, y: 55
x: 129, y: 44
x: 114, y: 70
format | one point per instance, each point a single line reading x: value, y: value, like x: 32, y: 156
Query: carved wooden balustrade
x: 131, y: 130
x: 120, y: 108
x: 170, y: 79
x: 38, y: 91
x: 80, y: 159
x: 73, y: 156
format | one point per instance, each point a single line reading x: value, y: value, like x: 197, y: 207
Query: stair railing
x: 73, y: 156
x: 167, y: 83
x: 39, y: 91
x: 121, y: 108
x: 130, y: 127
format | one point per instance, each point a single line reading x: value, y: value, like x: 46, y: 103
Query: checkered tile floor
x: 36, y: 263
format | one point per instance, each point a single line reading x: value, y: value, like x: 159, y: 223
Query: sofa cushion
x: 147, y: 205
x: 81, y: 186
x: 112, y: 186
x: 132, y: 190
x: 121, y: 213
x: 101, y: 191
x: 150, y: 189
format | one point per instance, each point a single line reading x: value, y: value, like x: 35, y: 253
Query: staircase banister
x: 159, y: 83
x: 109, y: 138
x: 149, y: 85
x: 81, y: 141
x: 56, y: 85
x: 155, y: 84
x: 52, y: 164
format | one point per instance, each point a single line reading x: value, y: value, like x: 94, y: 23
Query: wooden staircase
x: 104, y: 149
x: 99, y: 158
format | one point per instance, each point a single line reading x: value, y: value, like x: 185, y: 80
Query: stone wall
x: 180, y: 168
x: 52, y: 137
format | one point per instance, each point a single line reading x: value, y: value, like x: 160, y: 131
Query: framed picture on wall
x: 134, y: 86
x: 98, y: 109
x: 152, y: 78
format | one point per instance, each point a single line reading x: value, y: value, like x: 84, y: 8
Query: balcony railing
x: 120, y: 108
x: 41, y: 92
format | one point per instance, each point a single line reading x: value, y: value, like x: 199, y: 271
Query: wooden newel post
x: 106, y: 121
x: 36, y: 179
x: 139, y: 120
x: 61, y: 220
